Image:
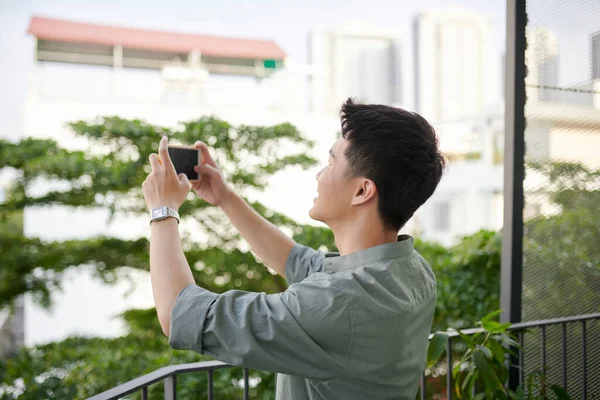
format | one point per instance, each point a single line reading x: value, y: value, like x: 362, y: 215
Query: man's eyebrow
x: 331, y: 153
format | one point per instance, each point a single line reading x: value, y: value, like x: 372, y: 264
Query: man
x: 350, y: 326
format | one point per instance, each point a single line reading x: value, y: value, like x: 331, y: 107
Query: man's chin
x: 313, y: 214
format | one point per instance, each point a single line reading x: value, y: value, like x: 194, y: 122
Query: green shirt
x: 348, y: 327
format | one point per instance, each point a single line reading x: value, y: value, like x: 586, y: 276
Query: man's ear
x: 364, y: 192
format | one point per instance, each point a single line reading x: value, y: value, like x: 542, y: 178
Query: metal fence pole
x: 210, y: 385
x: 449, y: 383
x: 514, y: 170
x: 246, y: 385
x: 171, y: 387
x: 584, y: 356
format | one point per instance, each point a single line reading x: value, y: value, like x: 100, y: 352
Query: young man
x: 350, y: 326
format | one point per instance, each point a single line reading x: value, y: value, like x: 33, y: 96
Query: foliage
x: 79, y: 367
x: 571, y: 264
x: 468, y: 278
x: 108, y: 174
x: 483, y: 370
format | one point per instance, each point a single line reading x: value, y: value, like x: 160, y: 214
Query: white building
x: 357, y: 61
x: 542, y: 60
x: 595, y: 55
x: 455, y: 70
x: 83, y: 71
x: 469, y: 197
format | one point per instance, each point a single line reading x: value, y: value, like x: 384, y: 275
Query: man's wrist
x: 166, y: 222
x: 227, y: 199
x: 162, y: 213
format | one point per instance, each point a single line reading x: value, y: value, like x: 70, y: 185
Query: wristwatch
x: 160, y: 213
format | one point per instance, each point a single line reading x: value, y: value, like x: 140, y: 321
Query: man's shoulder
x: 404, y: 284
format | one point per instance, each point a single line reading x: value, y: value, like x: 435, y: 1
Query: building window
x: 441, y: 217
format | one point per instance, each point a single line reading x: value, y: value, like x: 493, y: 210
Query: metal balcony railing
x: 169, y: 374
x: 519, y: 329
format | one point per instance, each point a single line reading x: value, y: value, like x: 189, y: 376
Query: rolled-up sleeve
x: 302, y: 262
x: 304, y: 331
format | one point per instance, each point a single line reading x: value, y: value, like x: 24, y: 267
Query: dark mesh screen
x: 561, y: 266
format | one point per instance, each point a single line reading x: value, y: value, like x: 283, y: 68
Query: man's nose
x: 319, y: 173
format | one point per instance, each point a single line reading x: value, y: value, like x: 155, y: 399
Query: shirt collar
x: 334, y: 262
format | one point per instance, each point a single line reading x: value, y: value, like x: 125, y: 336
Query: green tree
x: 562, y: 249
x: 108, y: 173
x: 468, y: 278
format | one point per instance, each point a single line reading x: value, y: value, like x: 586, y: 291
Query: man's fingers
x: 154, y: 162
x: 184, y: 180
x: 163, y: 151
x: 206, y: 157
x: 205, y: 169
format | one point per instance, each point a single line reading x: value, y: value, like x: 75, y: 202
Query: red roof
x: 77, y: 32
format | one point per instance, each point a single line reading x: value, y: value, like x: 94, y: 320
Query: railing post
x: 210, y: 384
x: 246, y: 385
x: 423, y: 393
x: 544, y: 350
x: 522, y: 357
x: 584, y: 355
x: 449, y: 383
x: 564, y: 355
x: 171, y: 387
x: 514, y: 171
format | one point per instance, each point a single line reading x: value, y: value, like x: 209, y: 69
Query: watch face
x: 158, y: 212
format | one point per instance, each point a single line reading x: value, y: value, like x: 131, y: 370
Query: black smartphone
x: 185, y: 158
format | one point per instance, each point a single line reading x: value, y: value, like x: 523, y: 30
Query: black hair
x: 399, y: 151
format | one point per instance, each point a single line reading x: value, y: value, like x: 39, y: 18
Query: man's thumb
x: 205, y: 169
x: 184, y: 179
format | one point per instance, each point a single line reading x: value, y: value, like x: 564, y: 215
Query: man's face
x: 335, y: 189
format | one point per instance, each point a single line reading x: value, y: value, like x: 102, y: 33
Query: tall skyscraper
x: 360, y: 62
x: 595, y: 53
x: 542, y: 61
x: 455, y: 74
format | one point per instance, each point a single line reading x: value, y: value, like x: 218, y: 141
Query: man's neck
x: 353, y: 236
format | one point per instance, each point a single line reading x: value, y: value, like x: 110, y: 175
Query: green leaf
x: 467, y: 339
x: 490, y: 379
x: 487, y: 352
x: 479, y: 396
x: 496, y: 327
x: 467, y: 380
x: 560, y: 393
x: 508, y: 341
x: 437, y: 345
x: 491, y: 315
x: 501, y: 395
x: 497, y: 350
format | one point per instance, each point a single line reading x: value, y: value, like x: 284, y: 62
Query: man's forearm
x: 169, y: 269
x: 266, y: 240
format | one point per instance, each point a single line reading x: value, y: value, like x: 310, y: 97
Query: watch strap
x: 161, y: 213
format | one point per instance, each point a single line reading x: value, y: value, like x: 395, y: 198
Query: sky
x: 286, y: 22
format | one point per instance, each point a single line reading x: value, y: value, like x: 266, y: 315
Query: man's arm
x: 169, y: 269
x: 304, y: 331
x: 266, y: 240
